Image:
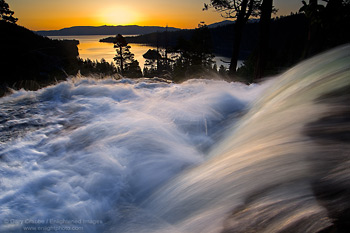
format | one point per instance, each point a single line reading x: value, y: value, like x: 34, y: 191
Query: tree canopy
x: 235, y: 8
x: 123, y: 56
x: 125, y: 61
x: 5, y: 13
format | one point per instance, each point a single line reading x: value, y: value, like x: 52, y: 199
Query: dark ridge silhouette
x: 160, y: 39
x: 287, y: 31
x: 105, y: 30
x: 220, y: 24
x: 28, y: 56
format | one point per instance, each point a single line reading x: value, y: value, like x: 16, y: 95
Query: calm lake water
x: 91, y: 48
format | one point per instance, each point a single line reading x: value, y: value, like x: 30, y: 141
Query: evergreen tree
x: 327, y: 25
x: 336, y: 23
x: 215, y: 68
x: 313, y: 12
x: 133, y: 70
x: 5, y: 13
x: 202, y: 46
x: 124, y: 57
x: 153, y: 62
x: 196, y: 53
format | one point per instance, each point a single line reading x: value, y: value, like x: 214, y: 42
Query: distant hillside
x: 105, y: 30
x: 226, y: 22
x: 287, y: 34
x: 220, y: 24
x: 28, y: 56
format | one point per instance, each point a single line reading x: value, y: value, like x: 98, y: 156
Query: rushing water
x: 202, y: 156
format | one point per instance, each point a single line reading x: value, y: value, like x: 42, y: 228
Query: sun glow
x: 119, y: 16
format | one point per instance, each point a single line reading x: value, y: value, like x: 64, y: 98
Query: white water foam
x: 87, y: 149
x: 202, y: 156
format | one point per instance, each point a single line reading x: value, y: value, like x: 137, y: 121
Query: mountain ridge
x: 116, y: 29
x: 220, y: 24
x: 105, y: 30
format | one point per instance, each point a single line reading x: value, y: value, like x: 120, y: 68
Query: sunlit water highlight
x: 90, y: 48
x: 145, y: 156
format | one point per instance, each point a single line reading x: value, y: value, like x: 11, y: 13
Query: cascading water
x: 261, y: 175
x: 202, y: 156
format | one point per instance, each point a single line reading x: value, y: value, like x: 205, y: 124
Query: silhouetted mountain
x: 105, y: 30
x: 226, y: 22
x: 220, y: 24
x: 27, y: 56
x: 161, y: 39
x: 287, y: 34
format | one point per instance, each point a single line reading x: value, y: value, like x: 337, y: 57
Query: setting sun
x: 118, y: 16
x: 49, y: 15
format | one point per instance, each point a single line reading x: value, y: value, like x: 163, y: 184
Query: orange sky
x: 57, y: 14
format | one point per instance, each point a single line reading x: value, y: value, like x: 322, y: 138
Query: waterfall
x: 142, y: 155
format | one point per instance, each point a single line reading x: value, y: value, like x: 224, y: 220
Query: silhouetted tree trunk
x: 166, y: 47
x: 121, y: 60
x: 241, y: 10
x: 242, y: 18
x: 239, y: 27
x: 266, y: 10
x: 123, y: 54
